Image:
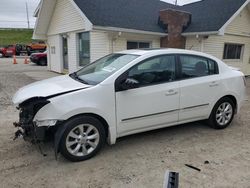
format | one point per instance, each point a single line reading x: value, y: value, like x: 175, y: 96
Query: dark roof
x: 211, y: 15
x: 130, y: 14
x: 207, y: 15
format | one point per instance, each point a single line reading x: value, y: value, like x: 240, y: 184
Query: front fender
x: 57, y: 112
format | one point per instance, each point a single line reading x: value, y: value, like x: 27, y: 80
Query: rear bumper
x: 34, y: 60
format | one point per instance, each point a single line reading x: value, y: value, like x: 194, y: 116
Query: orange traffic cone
x: 26, y: 61
x: 14, y: 60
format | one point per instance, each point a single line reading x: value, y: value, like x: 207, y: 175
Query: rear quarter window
x: 196, y: 66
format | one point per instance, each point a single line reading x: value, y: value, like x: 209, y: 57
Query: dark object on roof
x: 207, y: 15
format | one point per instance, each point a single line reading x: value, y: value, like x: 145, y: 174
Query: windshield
x: 98, y: 71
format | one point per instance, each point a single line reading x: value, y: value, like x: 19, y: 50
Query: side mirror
x: 129, y: 83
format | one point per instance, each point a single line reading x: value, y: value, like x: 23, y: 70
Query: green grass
x: 14, y: 36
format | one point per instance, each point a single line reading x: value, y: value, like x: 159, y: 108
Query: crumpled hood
x: 48, y: 87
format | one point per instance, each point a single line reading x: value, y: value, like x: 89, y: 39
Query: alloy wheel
x: 82, y: 140
x: 224, y: 113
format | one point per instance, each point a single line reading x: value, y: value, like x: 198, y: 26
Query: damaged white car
x: 126, y: 93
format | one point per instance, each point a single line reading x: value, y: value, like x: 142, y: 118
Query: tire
x: 1, y: 55
x: 28, y: 49
x: 222, y: 114
x: 83, y: 137
x: 18, y: 49
x: 42, y: 62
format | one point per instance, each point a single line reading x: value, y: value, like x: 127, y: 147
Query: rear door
x: 199, y: 86
x: 155, y: 103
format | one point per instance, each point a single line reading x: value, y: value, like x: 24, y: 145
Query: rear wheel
x: 222, y: 114
x: 82, y: 139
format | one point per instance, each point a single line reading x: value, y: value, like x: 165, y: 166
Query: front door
x: 155, y: 103
x: 65, y: 53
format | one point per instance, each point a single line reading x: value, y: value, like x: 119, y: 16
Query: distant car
x: 39, y: 58
x: 8, y: 51
x: 126, y: 93
x: 36, y: 46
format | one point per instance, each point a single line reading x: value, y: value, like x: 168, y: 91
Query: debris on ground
x: 193, y: 167
x: 206, y: 162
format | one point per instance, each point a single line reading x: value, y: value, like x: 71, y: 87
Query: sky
x: 13, y: 12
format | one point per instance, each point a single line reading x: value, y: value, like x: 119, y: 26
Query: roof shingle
x: 207, y: 15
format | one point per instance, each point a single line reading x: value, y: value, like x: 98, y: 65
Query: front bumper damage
x: 26, y: 127
x: 29, y: 132
x: 37, y: 132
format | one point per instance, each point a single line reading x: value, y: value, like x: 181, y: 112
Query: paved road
x: 138, y: 161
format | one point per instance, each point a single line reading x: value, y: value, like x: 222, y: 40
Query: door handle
x: 171, y: 92
x: 213, y: 84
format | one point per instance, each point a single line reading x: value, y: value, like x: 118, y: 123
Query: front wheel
x: 222, y: 114
x: 82, y: 139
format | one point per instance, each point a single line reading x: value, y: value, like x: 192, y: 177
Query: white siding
x: 73, y: 52
x: 120, y: 43
x: 42, y: 24
x: 192, y: 43
x: 99, y: 45
x: 241, y: 24
x: 103, y: 42
x: 65, y: 19
x: 238, y: 31
x: 214, y: 45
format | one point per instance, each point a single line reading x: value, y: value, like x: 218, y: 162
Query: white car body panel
x: 197, y: 95
x: 137, y: 110
x: 47, y: 87
x: 147, y: 107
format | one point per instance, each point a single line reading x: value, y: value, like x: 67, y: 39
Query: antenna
x: 27, y: 12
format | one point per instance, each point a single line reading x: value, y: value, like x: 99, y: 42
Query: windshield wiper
x: 76, y: 77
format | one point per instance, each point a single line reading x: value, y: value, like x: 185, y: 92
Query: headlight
x: 46, y: 123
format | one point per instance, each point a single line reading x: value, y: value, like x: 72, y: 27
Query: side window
x: 195, y: 66
x: 154, y: 71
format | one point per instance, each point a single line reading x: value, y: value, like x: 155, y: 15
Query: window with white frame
x: 137, y: 45
x: 233, y: 51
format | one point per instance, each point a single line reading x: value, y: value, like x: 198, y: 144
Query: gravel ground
x: 134, y: 161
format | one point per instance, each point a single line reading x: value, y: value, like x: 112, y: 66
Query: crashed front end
x: 29, y: 129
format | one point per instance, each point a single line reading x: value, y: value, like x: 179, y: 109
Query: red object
x: 8, y: 51
x: 26, y: 60
x: 14, y: 60
x: 39, y: 58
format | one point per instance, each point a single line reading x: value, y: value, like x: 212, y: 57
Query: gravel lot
x: 135, y: 161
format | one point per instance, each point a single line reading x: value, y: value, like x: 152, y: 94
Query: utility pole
x: 176, y: 2
x: 27, y: 12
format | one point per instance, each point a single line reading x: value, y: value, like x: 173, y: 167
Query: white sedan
x: 126, y: 93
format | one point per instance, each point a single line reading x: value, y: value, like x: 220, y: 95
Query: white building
x: 80, y: 31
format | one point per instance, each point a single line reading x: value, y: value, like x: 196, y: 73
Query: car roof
x: 152, y: 51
